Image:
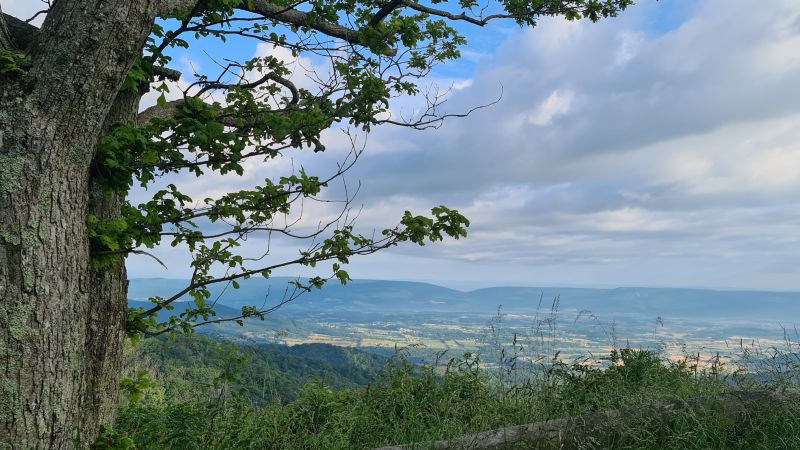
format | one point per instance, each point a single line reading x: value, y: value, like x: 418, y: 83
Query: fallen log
x: 571, y: 432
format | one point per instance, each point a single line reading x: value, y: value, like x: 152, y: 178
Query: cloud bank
x: 644, y: 150
x: 620, y: 153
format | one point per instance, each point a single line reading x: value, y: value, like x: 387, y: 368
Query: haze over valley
x: 425, y: 319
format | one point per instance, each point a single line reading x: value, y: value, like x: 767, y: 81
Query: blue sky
x: 660, y: 148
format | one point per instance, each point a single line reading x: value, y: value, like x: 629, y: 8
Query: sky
x: 659, y: 148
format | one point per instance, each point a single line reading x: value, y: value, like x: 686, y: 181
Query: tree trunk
x: 61, y: 322
x: 108, y: 294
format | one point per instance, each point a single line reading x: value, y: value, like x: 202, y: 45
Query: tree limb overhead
x: 15, y: 33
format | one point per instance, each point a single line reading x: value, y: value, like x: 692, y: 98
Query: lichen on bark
x: 11, y: 170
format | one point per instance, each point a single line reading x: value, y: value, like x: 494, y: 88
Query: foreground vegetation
x: 404, y: 403
x: 186, y: 366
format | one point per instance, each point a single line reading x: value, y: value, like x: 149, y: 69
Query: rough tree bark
x: 61, y: 322
x: 108, y: 294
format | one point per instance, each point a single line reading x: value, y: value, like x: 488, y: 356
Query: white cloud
x: 630, y: 44
x: 618, y: 155
x: 666, y: 149
x: 556, y: 104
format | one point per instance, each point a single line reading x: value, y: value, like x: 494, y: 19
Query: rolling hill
x: 378, y: 296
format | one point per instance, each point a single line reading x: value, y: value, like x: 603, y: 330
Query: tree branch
x: 5, y: 37
x: 164, y: 111
x: 301, y: 19
x: 271, y: 76
x: 16, y: 33
x: 6, y: 41
x: 297, y: 192
x: 366, y: 249
x: 169, y: 109
x: 170, y: 9
x: 384, y: 11
x: 174, y: 8
x: 167, y: 73
x: 448, y: 15
x: 259, y: 313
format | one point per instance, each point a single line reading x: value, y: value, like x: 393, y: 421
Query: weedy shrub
x: 634, y: 377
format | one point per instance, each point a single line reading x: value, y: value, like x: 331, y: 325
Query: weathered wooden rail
x: 570, y: 432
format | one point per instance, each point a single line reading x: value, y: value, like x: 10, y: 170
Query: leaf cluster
x: 11, y: 62
x: 371, y: 52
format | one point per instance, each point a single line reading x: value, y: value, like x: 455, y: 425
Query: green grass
x: 408, y: 403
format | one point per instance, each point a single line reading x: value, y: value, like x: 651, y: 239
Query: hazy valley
x: 424, y: 320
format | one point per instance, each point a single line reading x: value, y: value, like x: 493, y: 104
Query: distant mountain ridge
x: 381, y: 296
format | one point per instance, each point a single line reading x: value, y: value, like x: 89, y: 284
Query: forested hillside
x: 186, y: 365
